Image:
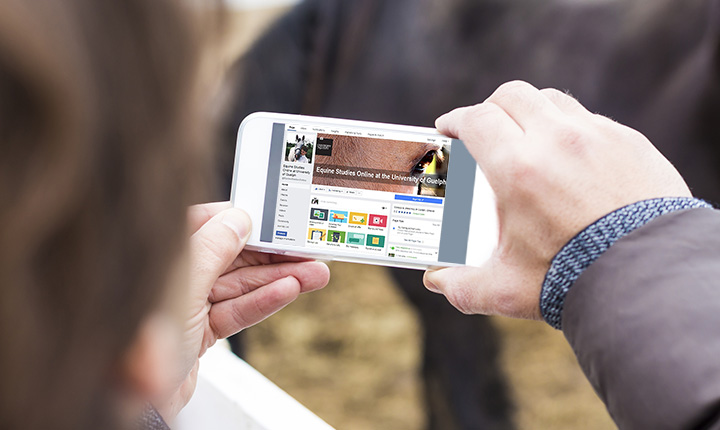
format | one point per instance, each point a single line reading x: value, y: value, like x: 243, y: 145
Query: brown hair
x: 98, y: 161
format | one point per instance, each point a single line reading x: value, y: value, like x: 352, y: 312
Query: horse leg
x: 464, y: 385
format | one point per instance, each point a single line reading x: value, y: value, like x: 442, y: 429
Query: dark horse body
x: 651, y: 64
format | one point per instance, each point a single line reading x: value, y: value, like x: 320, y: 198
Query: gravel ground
x: 351, y: 353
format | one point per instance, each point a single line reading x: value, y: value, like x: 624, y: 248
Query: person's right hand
x: 230, y: 289
x: 555, y: 168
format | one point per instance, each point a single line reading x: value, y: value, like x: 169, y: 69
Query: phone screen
x: 367, y: 192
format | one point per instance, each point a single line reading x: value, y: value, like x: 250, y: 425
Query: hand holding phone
x: 598, y: 166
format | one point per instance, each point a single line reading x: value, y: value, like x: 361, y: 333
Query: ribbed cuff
x: 581, y: 251
x: 151, y: 420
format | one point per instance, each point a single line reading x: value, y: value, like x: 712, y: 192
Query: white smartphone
x: 385, y: 194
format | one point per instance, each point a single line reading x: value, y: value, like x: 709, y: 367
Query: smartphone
x: 363, y: 192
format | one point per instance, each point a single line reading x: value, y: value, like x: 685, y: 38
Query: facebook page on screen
x: 362, y: 192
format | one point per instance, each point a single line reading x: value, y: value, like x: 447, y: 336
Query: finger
x: 231, y: 316
x: 311, y: 276
x: 450, y: 282
x: 257, y: 258
x: 451, y: 123
x: 215, y: 246
x: 484, y: 129
x: 198, y: 215
x: 565, y: 102
x: 492, y: 289
x: 486, y: 117
x: 525, y: 104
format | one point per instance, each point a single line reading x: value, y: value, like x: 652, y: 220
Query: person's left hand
x: 231, y: 289
x: 555, y: 168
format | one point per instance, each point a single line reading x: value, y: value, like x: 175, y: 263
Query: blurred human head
x: 99, y: 158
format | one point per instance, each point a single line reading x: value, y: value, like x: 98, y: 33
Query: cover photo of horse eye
x: 396, y: 166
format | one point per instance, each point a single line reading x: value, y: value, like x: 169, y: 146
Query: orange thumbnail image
x: 316, y: 234
x: 339, y: 216
x: 358, y: 218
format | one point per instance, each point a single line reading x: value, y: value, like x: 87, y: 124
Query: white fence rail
x: 231, y: 395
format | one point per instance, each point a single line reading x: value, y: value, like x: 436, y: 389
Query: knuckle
x: 570, y: 135
x: 209, y: 248
x: 514, y: 93
x: 260, y: 310
x: 213, y: 295
x: 213, y: 326
x: 220, y: 245
x: 277, y: 271
x: 505, y: 302
x: 522, y: 169
x: 482, y: 113
x: 459, y: 298
x: 245, y: 285
x: 243, y: 316
x: 512, y: 87
x: 563, y: 99
x: 554, y: 94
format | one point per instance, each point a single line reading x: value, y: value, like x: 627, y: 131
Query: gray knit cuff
x: 582, y: 250
x: 151, y: 420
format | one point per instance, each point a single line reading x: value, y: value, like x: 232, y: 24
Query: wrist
x: 587, y: 246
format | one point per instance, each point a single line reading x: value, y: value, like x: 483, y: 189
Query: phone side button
x: 269, y: 251
x: 318, y: 257
x: 326, y: 258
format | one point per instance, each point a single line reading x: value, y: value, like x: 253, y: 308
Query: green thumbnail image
x: 336, y: 236
x: 355, y: 238
x: 376, y: 241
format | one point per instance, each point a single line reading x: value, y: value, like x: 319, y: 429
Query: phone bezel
x: 252, y: 156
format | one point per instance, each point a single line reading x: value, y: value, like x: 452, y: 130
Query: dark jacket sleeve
x: 151, y: 420
x: 644, y: 322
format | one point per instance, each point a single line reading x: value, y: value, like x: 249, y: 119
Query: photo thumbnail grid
x: 355, y: 229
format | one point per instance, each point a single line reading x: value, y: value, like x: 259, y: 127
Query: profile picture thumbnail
x: 299, y: 148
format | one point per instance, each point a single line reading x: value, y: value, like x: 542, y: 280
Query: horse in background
x: 654, y: 66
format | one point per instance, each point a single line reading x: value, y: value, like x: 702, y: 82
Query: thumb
x: 495, y: 288
x: 215, y: 246
x: 461, y: 286
x: 449, y: 123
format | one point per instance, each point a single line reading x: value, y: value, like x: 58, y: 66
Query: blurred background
x: 352, y: 352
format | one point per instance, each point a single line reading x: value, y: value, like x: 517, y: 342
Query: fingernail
x: 439, y: 121
x: 429, y: 284
x: 238, y: 221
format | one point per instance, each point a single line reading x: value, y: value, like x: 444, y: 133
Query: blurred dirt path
x: 351, y: 353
